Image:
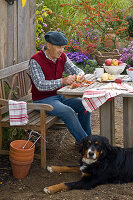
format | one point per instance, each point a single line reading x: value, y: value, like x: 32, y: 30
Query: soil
x: 61, y: 150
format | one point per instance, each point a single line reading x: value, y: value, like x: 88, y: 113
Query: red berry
x: 118, y: 80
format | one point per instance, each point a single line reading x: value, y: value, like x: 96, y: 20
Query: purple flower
x: 127, y: 55
x: 45, y: 25
x: 79, y: 57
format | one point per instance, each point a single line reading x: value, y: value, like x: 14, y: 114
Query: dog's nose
x: 91, y: 153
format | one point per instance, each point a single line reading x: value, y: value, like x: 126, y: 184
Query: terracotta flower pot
x: 110, y: 40
x: 20, y: 158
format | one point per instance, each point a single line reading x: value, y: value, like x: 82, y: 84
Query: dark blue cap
x: 56, y: 38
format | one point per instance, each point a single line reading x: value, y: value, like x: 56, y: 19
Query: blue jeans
x: 72, y: 112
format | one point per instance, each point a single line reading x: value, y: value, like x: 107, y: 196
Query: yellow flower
x: 44, y: 14
x: 23, y: 3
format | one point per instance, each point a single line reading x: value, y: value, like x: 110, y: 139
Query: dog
x: 100, y: 163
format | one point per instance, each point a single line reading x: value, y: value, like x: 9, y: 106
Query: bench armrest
x: 34, y: 106
x: 40, y: 106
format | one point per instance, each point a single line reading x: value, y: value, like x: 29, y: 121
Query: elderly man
x: 46, y: 68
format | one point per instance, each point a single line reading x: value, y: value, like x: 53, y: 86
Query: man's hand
x: 68, y: 80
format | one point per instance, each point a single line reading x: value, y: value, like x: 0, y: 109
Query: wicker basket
x: 101, y: 57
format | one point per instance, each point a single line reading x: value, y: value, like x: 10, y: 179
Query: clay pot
x: 109, y: 39
x: 20, y: 158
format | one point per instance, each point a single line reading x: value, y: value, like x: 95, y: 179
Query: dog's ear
x: 107, y: 144
x: 83, y: 144
x: 109, y: 147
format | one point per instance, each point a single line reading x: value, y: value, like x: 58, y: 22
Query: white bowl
x: 114, y: 70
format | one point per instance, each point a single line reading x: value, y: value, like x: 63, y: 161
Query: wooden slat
x: 5, y: 119
x: 32, y: 27
x: 15, y: 33
x: 51, y: 120
x: 35, y: 106
x: 2, y: 92
x: 10, y: 35
x: 34, y: 119
x: 43, y: 139
x: 22, y: 83
x: 9, y: 71
x: 23, y: 32
x: 25, y: 98
x: 3, y: 34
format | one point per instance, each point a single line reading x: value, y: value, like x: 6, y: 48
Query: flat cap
x: 56, y: 38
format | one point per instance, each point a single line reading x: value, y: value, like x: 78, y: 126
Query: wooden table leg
x: 128, y: 121
x: 107, y: 121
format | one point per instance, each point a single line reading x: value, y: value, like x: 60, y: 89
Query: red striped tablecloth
x: 94, y: 98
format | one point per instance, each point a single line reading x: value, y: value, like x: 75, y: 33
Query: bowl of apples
x: 114, y: 66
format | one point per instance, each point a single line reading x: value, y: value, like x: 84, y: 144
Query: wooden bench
x: 15, y: 84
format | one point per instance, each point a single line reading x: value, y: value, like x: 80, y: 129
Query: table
x: 107, y: 111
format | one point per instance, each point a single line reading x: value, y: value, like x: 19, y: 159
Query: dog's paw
x: 46, y: 190
x: 49, y: 169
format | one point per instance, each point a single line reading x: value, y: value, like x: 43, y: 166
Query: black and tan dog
x: 101, y: 163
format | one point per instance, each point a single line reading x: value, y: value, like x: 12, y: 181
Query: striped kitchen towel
x: 94, y: 98
x: 17, y: 113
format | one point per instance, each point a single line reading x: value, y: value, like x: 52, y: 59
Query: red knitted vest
x: 51, y: 70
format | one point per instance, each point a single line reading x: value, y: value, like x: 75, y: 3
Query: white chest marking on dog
x: 83, y: 167
x: 88, y: 161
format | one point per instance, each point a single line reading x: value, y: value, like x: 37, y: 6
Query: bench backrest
x: 15, y: 81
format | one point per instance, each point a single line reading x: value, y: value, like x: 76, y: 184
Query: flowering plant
x: 41, y: 13
x: 85, y: 62
x: 97, y: 16
x: 79, y: 57
x: 127, y: 55
x: 130, y: 25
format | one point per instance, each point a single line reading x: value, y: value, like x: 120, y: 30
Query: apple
x: 130, y: 69
x: 118, y: 80
x: 120, y: 62
x: 108, y: 61
x: 115, y: 62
